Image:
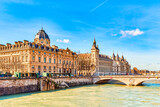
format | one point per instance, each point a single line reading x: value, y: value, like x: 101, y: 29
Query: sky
x: 128, y: 27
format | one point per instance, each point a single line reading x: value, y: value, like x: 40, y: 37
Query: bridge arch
x: 104, y: 81
x: 128, y: 80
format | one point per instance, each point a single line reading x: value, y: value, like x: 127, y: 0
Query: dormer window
x: 46, y: 42
x: 41, y: 41
x: 33, y: 46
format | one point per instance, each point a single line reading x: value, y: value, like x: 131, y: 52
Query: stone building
x: 101, y: 64
x: 120, y: 65
x: 84, y: 64
x: 37, y: 56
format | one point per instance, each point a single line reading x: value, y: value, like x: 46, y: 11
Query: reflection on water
x: 89, y: 96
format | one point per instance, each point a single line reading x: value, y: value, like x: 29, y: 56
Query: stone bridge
x: 130, y: 80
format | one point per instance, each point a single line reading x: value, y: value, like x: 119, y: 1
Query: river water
x: 106, y: 95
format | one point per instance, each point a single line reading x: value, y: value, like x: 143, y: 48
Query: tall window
x: 49, y: 60
x: 60, y: 61
x: 44, y: 67
x: 49, y: 67
x: 59, y: 70
x: 67, y: 62
x: 33, y: 66
x: 64, y: 62
x: 33, y: 58
x: 44, y: 60
x: 54, y: 61
x: 39, y: 67
x: 39, y: 59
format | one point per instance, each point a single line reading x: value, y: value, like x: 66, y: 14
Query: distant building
x: 98, y: 64
x: 37, y: 56
x: 120, y: 65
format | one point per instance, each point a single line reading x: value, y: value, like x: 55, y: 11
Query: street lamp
x: 117, y: 69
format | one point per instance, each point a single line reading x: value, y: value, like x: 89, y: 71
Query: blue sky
x: 131, y: 27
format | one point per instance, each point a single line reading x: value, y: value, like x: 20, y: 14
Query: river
x: 106, y: 95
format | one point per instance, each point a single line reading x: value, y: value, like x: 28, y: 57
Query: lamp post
x: 117, y: 69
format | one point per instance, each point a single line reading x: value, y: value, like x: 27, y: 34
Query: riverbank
x: 16, y: 86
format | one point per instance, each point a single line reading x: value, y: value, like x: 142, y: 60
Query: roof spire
x: 122, y: 57
x: 94, y: 39
x: 117, y: 56
x: 94, y: 42
x: 113, y: 56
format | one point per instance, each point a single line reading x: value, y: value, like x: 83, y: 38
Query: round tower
x: 95, y: 56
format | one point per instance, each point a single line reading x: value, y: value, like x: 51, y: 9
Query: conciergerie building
x: 39, y: 56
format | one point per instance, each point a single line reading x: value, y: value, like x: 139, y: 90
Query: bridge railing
x: 135, y: 76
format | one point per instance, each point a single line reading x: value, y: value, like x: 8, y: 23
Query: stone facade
x: 84, y: 64
x: 120, y: 65
x: 97, y: 64
x: 37, y: 57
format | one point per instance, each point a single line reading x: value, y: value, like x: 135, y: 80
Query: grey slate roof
x: 42, y: 34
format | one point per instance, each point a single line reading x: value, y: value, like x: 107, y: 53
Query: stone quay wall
x: 10, y: 86
x: 15, y: 86
x: 66, y: 82
x: 74, y: 81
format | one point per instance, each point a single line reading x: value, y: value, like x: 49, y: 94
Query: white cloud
x: 113, y: 34
x: 131, y: 33
x: 63, y: 41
